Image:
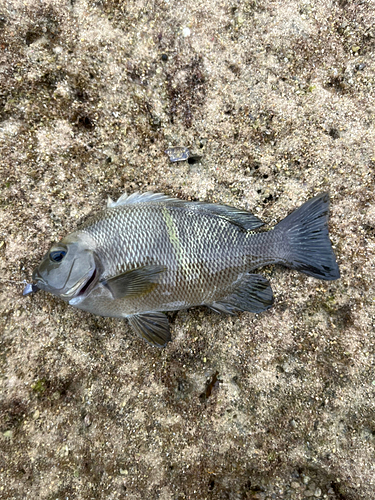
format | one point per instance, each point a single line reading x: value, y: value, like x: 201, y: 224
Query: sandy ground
x: 278, y: 99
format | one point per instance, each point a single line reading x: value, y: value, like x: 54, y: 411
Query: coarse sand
x: 277, y: 98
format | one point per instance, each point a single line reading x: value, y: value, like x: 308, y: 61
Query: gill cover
x: 70, y: 268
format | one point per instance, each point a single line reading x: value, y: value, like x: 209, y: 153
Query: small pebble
x: 178, y: 153
x: 186, y: 32
x: 317, y: 492
x: 87, y: 420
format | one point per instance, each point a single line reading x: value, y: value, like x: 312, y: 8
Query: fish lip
x: 39, y: 281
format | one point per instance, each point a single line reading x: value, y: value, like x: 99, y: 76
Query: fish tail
x: 306, y: 245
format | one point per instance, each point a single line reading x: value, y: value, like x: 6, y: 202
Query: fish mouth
x: 81, y: 289
x: 39, y: 283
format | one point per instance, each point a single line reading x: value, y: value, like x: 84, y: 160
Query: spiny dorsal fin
x: 138, y: 197
x: 240, y: 218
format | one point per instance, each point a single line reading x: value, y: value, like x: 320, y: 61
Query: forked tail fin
x: 306, y: 244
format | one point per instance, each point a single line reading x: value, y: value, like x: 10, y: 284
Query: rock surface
x: 277, y: 97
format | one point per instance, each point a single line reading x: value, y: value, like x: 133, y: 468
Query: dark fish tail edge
x: 306, y: 244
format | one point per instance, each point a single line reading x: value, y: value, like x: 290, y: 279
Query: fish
x: 148, y: 253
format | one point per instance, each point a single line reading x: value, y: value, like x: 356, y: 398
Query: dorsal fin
x: 241, y: 218
x: 138, y: 197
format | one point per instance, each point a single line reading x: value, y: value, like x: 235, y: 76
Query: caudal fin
x: 306, y: 244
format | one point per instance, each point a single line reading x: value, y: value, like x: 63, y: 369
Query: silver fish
x: 148, y: 253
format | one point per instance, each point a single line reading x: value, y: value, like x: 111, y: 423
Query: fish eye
x: 57, y: 255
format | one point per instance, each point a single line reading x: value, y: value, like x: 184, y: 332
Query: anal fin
x: 253, y: 293
x: 152, y: 327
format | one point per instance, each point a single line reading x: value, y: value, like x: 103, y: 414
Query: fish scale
x: 147, y: 254
x: 201, y: 272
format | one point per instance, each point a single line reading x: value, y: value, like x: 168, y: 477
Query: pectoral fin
x: 253, y: 293
x: 153, y: 327
x: 135, y: 282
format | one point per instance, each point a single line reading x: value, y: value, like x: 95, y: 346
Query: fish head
x: 70, y: 268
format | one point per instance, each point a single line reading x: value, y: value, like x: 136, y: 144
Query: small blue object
x: 178, y: 153
x: 29, y: 288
